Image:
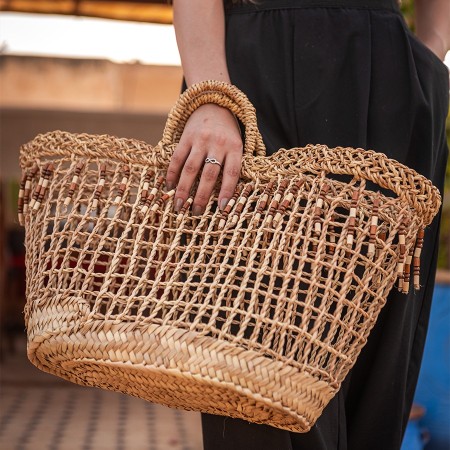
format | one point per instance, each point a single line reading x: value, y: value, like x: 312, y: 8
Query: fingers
x: 177, y: 161
x: 211, y: 131
x: 205, y: 187
x: 230, y: 177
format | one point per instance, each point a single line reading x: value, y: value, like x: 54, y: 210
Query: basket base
x: 184, y: 370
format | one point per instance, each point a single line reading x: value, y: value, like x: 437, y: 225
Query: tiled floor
x: 41, y: 412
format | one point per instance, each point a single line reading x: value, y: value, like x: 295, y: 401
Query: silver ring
x: 213, y: 161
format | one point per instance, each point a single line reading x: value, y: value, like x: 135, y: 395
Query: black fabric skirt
x: 346, y: 73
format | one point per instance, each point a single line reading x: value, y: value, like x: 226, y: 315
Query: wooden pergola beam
x: 155, y: 11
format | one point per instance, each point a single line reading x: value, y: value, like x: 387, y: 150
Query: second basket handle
x: 222, y: 94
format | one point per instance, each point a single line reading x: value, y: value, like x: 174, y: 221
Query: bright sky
x: 83, y: 37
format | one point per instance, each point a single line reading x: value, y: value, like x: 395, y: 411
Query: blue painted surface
x: 433, y: 389
x: 413, y: 437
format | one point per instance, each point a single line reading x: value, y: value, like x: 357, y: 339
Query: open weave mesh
x: 256, y: 312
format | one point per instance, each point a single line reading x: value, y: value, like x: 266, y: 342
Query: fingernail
x: 223, y: 203
x: 197, y: 210
x: 170, y: 185
x: 178, y: 204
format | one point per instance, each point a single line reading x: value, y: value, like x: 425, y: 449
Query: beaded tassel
x: 268, y: 191
x: 318, y: 213
x: 122, y: 185
x: 162, y: 200
x: 74, y: 183
x: 20, y: 199
x: 146, y: 186
x: 318, y: 209
x: 402, y: 249
x: 331, y: 248
x: 407, y: 271
x: 152, y: 195
x: 352, y: 219
x: 373, y: 227
x: 273, y: 207
x: 187, y: 204
x: 226, y: 211
x: 100, y: 185
x: 41, y: 188
x: 27, y: 190
x: 287, y: 200
x: 240, y: 204
x: 416, y: 258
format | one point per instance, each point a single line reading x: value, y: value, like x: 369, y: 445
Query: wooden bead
x: 226, y: 211
x: 42, y: 187
x: 241, y: 202
x: 416, y: 257
x: 162, y: 200
x: 274, y: 204
x: 100, y: 185
x: 27, y: 189
x: 74, y: 183
x: 123, y: 184
x: 407, y: 271
x: 352, y: 218
x: 187, y: 204
x: 262, y: 203
x: 373, y: 227
x: 20, y: 198
x: 401, y: 263
x: 332, y: 238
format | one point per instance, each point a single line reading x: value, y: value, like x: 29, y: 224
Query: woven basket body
x: 257, y: 312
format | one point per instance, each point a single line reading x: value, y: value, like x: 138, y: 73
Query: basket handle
x: 222, y: 94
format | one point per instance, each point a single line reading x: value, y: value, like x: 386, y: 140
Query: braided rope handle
x: 222, y: 94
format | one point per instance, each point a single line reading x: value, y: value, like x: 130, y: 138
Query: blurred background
x: 113, y: 67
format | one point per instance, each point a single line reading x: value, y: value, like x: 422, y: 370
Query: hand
x: 210, y: 131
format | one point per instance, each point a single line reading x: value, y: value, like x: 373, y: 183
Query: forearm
x: 200, y: 32
x: 433, y: 24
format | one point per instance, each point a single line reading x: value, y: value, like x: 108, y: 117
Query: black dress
x: 346, y: 73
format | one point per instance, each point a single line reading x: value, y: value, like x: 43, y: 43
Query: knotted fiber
x: 256, y: 312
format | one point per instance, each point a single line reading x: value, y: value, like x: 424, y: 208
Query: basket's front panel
x: 296, y: 271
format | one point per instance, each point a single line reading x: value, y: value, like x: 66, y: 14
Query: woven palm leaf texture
x: 256, y: 312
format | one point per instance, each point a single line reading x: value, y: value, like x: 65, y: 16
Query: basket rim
x: 417, y: 190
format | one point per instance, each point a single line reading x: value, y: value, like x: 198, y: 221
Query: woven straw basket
x: 256, y: 312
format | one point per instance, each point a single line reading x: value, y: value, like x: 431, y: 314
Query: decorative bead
x: 152, y: 195
x: 407, y: 271
x: 381, y: 237
x: 373, y: 227
x: 401, y: 262
x: 100, y: 185
x: 276, y: 201
x: 332, y: 238
x: 287, y: 200
x: 416, y: 257
x: 318, y: 209
x: 263, y: 200
x: 187, y: 204
x: 241, y: 202
x: 20, y: 199
x: 42, y: 186
x: 27, y: 190
x: 74, y: 183
x: 162, y: 200
x: 146, y: 186
x: 352, y: 218
x: 229, y: 207
x: 122, y: 185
